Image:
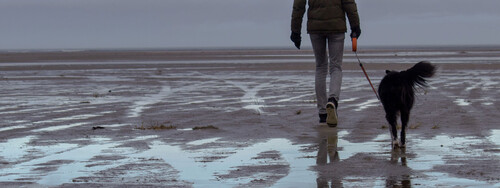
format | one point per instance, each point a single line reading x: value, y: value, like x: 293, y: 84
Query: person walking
x: 326, y: 26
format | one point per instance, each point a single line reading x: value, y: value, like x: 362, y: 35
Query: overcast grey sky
x: 74, y: 24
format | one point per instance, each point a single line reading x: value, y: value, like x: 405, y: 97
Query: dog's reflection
x: 399, y: 153
x: 403, y: 180
x: 328, y: 153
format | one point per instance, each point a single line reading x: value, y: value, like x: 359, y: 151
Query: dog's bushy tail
x: 417, y: 74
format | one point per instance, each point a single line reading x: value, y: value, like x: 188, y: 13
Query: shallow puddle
x: 204, y: 174
x: 12, y: 128
x: 367, y: 104
x: 143, y: 103
x: 203, y: 141
x: 428, y: 154
x: 217, y: 166
x: 462, y: 102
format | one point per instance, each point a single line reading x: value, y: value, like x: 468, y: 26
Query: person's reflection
x: 393, y: 181
x: 328, y: 153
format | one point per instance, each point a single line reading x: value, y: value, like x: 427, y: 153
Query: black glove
x: 355, y: 32
x: 295, y: 37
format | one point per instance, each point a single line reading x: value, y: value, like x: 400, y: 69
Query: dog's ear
x: 387, y: 71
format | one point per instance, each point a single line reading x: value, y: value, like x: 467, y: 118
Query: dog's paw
x: 396, y: 144
x: 402, y: 146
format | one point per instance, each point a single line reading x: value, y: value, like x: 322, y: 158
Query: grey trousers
x: 328, y: 65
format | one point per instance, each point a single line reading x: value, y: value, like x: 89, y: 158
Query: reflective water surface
x: 212, y: 166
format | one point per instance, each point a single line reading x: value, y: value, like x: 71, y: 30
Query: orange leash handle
x: 354, y: 44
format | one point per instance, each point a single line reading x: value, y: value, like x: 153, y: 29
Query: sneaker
x: 332, y: 100
x: 322, y: 119
x: 331, y: 112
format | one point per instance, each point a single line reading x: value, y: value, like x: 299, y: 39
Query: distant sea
x: 374, y: 54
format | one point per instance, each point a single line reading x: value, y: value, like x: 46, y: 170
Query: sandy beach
x: 241, y: 118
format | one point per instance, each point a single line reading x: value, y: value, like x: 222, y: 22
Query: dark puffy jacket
x: 325, y: 16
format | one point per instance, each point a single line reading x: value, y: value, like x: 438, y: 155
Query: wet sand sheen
x: 261, y: 106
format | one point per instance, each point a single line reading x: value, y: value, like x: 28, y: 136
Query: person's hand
x: 355, y: 32
x: 296, y: 39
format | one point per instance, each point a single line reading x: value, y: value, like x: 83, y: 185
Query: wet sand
x: 226, y: 118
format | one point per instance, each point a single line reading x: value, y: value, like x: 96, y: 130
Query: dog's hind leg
x: 405, y: 117
x: 392, y: 119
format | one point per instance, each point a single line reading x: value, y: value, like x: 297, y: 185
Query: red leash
x: 354, y: 49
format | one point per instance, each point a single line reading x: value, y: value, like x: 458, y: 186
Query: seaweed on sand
x: 205, y: 127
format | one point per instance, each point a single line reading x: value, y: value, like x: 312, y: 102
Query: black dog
x: 397, y: 94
